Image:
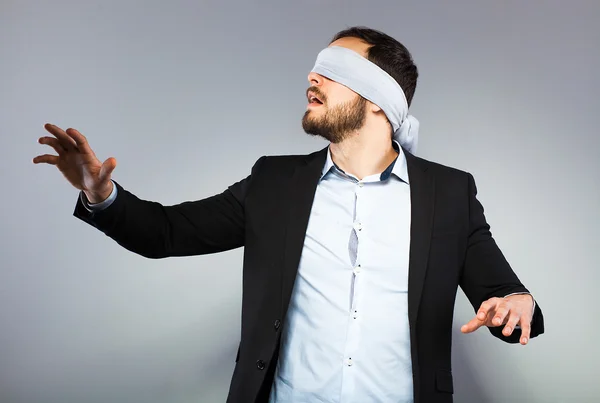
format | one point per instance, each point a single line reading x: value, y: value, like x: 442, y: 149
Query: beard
x: 337, y: 123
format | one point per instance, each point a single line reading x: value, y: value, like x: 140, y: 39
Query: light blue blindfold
x: 350, y: 69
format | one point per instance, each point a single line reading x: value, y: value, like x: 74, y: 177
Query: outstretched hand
x: 77, y: 162
x: 508, y: 311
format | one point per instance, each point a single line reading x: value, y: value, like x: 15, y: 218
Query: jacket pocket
x: 443, y: 381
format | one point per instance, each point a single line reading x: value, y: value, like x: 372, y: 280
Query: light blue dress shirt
x: 346, y: 335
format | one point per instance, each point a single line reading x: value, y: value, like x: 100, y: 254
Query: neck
x: 364, y: 153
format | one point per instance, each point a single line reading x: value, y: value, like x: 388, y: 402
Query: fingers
x: 496, y: 311
x: 486, y: 308
x: 517, y: 319
x: 66, y: 141
x: 107, y: 168
x: 525, y: 329
x: 52, y: 142
x: 80, y: 140
x: 502, y: 311
x: 472, y: 325
x: 511, y: 323
x: 46, y: 159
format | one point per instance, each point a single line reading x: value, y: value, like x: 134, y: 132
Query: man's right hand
x: 78, y: 163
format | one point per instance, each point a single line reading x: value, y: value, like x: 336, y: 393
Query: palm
x: 80, y: 169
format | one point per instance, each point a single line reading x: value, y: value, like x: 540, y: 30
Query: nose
x: 315, y: 79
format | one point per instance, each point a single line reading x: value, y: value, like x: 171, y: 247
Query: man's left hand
x: 508, y: 311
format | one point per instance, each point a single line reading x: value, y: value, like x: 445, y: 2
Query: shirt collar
x: 397, y: 167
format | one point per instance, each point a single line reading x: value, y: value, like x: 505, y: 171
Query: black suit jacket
x: 268, y: 212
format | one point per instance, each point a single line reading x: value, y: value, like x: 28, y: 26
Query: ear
x: 374, y: 108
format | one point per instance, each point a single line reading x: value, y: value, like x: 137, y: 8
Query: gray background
x: 187, y: 95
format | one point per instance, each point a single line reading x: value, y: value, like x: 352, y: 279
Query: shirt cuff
x: 91, y: 207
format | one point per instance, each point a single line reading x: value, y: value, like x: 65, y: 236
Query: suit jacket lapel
x: 422, y: 188
x: 300, y: 200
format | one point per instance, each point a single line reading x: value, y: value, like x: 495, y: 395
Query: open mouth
x: 313, y: 99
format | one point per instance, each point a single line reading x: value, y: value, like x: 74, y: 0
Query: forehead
x: 358, y: 45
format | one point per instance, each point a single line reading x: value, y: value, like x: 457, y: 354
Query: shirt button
x: 349, y: 362
x: 355, y: 314
x: 357, y: 269
x: 277, y: 324
x: 361, y: 184
x: 357, y: 226
x: 260, y: 364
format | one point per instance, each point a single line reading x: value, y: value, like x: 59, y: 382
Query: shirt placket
x: 353, y: 333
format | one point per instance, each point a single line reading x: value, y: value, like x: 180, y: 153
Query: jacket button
x: 260, y: 364
x: 277, y: 324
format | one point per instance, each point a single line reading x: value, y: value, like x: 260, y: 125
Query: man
x: 353, y: 254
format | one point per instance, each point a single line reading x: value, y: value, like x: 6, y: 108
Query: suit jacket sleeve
x: 150, y: 229
x: 486, y: 272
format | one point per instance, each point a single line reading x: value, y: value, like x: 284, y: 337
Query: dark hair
x: 389, y: 54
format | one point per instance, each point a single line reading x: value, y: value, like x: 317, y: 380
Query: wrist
x: 95, y: 197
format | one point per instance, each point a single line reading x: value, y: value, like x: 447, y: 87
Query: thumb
x: 107, y: 168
